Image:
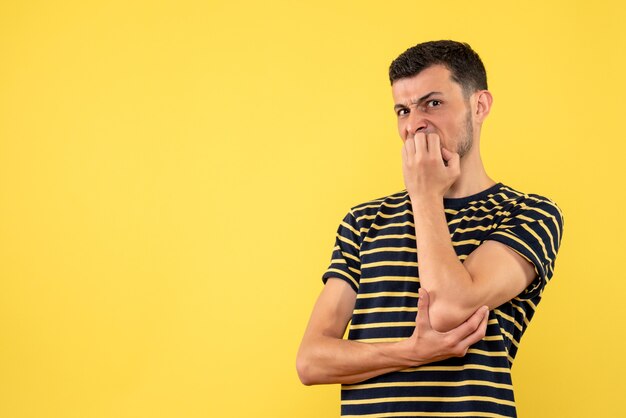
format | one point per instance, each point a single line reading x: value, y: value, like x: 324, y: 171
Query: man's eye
x: 434, y: 103
x: 400, y: 112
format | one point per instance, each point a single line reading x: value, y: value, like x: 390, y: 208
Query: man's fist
x: 429, y: 169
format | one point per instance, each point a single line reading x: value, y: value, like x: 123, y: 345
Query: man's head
x: 440, y: 87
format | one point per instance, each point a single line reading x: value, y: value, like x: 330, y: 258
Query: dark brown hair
x: 463, y: 62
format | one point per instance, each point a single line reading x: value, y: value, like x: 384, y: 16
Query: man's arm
x: 325, y: 357
x: 491, y: 275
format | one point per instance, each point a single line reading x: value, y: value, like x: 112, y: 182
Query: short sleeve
x: 533, y: 230
x: 345, y: 261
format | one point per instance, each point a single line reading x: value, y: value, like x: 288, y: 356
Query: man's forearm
x: 440, y: 271
x: 333, y: 360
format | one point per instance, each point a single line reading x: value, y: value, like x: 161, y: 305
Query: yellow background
x: 172, y: 174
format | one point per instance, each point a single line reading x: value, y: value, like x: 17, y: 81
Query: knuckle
x: 459, y: 350
x: 451, y: 342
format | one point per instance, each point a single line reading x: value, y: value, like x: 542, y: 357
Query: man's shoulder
x: 531, y: 207
x: 523, y: 200
x: 392, y: 208
x: 391, y: 201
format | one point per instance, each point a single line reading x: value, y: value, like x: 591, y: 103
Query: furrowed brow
x: 418, y: 101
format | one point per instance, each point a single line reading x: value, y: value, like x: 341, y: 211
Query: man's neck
x: 473, y: 178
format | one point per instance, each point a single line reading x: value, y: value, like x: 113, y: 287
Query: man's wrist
x: 425, y: 203
x: 404, y: 351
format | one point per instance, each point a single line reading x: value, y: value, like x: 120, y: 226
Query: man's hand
x: 427, y: 345
x: 425, y: 173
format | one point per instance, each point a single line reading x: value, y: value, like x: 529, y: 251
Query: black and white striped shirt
x: 375, y: 252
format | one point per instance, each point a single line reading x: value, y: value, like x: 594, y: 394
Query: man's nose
x: 416, y: 123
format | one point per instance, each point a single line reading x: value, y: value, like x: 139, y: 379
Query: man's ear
x: 484, y: 99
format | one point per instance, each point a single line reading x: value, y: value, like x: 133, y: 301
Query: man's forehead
x: 433, y: 79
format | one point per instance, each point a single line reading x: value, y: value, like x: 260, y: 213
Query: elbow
x: 304, y: 369
x: 445, y: 317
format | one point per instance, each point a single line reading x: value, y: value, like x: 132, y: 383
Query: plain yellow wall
x: 172, y: 174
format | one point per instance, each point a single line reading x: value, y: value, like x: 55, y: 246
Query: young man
x: 439, y: 280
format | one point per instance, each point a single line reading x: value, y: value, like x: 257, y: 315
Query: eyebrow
x: 418, y: 101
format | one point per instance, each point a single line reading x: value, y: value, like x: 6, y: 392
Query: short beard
x: 466, y: 144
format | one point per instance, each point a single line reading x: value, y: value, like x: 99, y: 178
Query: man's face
x: 431, y: 102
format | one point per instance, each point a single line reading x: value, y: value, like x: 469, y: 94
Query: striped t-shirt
x: 375, y: 252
